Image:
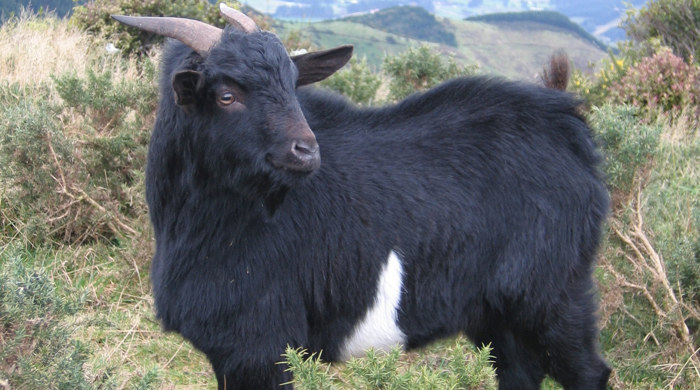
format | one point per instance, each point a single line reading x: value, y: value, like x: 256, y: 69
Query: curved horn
x: 237, y: 19
x: 197, y: 35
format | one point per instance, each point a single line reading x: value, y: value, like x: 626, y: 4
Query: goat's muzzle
x: 299, y: 152
x: 306, y: 153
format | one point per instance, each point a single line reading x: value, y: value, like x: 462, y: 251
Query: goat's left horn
x: 238, y: 19
x: 197, y: 35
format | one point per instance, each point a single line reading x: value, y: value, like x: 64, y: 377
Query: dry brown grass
x: 33, y: 48
x: 681, y: 128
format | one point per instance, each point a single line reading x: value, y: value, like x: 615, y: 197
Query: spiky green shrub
x: 73, y: 165
x: 420, y: 68
x: 628, y: 144
x: 37, y: 349
x: 459, y: 366
x: 356, y: 81
x: 310, y: 372
x: 31, y: 140
x: 94, y: 17
x: 104, y: 102
x: 296, y: 41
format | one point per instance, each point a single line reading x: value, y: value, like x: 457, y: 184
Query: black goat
x: 475, y: 207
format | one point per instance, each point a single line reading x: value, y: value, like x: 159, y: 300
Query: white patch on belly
x: 379, y: 328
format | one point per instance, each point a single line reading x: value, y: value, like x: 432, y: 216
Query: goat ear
x: 186, y: 84
x: 317, y: 65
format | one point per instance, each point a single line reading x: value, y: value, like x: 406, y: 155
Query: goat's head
x: 241, y: 82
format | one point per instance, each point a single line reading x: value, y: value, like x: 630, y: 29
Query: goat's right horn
x: 197, y: 35
x: 238, y: 19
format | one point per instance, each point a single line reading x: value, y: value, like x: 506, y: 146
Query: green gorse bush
x: 461, y: 367
x: 73, y: 164
x: 38, y: 350
x: 356, y: 81
x: 94, y: 17
x: 628, y: 144
x: 420, y: 68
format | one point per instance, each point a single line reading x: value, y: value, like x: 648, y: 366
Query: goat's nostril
x: 303, y: 155
x: 303, y: 148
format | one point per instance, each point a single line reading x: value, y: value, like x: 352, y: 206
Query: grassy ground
x: 77, y: 311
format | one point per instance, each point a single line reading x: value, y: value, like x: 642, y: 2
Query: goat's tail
x: 556, y: 75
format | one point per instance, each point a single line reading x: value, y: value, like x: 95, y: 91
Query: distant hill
x: 315, y: 10
x: 598, y: 17
x: 408, y: 21
x: 550, y: 18
x: 516, y: 50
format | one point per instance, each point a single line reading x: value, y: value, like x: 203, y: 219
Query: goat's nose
x: 305, y: 150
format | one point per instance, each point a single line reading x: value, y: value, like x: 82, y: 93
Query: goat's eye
x: 226, y: 98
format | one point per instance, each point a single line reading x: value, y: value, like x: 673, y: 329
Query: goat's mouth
x: 306, y: 163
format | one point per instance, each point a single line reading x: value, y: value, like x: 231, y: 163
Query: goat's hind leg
x: 572, y: 343
x: 576, y: 364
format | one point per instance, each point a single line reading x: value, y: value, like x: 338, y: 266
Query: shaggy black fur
x: 488, y: 190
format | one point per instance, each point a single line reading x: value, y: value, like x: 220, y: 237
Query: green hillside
x: 516, y: 50
x: 412, y: 22
x: 519, y: 50
x: 549, y: 18
x: 370, y: 43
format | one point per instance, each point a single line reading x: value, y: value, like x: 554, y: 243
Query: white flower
x: 111, y: 49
